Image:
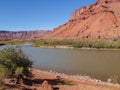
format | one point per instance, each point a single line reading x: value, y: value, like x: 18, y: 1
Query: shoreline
x: 70, y: 47
x: 52, y: 80
x: 76, y: 78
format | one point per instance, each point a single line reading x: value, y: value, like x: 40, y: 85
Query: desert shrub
x: 51, y: 42
x: 116, y: 44
x: 14, y: 62
x: 101, y: 44
x: 15, y: 42
x: 2, y: 77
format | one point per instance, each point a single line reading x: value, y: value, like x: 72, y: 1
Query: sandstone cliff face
x: 9, y: 35
x: 100, y: 20
x: 106, y: 1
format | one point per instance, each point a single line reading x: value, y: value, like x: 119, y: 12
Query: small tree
x: 15, y: 62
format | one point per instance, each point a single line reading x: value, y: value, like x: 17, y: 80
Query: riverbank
x: 68, y: 43
x: 50, y: 80
x: 82, y: 48
x: 87, y: 43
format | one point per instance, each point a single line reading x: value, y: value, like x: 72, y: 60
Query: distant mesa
x: 98, y: 21
x: 20, y: 35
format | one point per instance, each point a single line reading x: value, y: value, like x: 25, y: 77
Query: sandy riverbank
x: 58, y: 81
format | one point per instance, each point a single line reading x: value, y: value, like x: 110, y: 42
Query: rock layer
x: 9, y: 35
x: 100, y: 20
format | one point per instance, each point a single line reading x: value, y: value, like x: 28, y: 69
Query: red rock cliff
x: 100, y: 20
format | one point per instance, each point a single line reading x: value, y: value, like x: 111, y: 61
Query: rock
x: 46, y: 85
x: 9, y: 35
x: 78, y: 12
x: 109, y: 80
x: 58, y: 77
x: 98, y: 21
x: 106, y: 1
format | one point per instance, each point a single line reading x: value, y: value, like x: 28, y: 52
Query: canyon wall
x: 100, y: 20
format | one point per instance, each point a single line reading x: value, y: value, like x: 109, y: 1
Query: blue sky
x: 16, y: 15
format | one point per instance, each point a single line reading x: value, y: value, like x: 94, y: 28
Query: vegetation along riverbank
x: 86, y: 43
x: 68, y: 43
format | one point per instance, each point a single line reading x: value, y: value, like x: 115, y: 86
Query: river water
x: 100, y: 64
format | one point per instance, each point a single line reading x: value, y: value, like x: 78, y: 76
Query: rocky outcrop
x: 100, y: 20
x: 10, y: 35
x: 106, y: 1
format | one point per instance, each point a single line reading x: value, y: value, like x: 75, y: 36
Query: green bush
x: 14, y: 62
